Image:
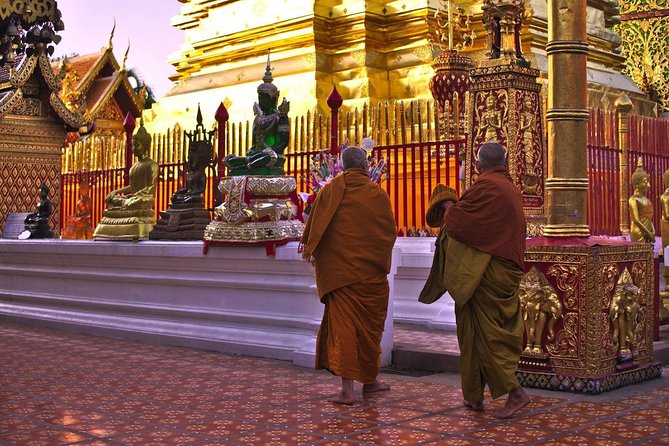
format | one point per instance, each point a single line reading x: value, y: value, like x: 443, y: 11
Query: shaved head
x: 353, y: 157
x: 491, y: 154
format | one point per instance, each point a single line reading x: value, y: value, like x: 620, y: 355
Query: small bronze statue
x: 37, y: 223
x: 271, y: 130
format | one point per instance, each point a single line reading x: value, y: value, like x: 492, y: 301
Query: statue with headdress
x: 271, y: 130
x: 78, y: 226
x: 186, y: 218
x: 37, y: 223
x: 640, y: 208
x: 261, y: 204
x: 129, y: 213
x: 624, y: 312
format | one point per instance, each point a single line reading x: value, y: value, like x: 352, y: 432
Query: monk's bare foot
x: 474, y: 405
x: 516, y: 401
x: 376, y: 386
x: 343, y: 398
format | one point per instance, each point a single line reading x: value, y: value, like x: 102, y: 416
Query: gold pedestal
x: 125, y: 225
x: 590, y: 303
x: 258, y: 210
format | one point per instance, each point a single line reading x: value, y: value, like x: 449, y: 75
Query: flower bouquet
x: 325, y: 166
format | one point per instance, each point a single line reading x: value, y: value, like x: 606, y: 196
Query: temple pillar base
x: 599, y: 311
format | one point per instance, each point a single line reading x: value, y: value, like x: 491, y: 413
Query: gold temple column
x: 623, y: 106
x: 567, y: 120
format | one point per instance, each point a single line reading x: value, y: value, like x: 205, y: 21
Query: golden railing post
x: 623, y: 106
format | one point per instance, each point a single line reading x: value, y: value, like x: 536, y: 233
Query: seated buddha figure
x: 37, y: 223
x: 129, y: 211
x: 270, y: 134
x: 78, y: 225
x: 641, y: 208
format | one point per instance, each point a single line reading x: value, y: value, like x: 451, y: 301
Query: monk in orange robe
x: 349, y: 237
x: 483, y: 269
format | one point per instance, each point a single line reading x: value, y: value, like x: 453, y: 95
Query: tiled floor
x: 61, y: 388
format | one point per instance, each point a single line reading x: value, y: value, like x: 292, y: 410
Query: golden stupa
x: 371, y: 50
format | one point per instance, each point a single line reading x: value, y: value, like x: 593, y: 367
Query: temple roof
x: 90, y: 81
x: 18, y: 82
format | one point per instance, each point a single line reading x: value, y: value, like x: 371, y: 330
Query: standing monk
x: 484, y: 265
x: 349, y: 238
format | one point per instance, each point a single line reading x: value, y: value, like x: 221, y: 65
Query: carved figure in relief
x: 528, y: 129
x: 640, y: 208
x: 271, y: 130
x: 491, y: 121
x: 539, y: 303
x: 624, y: 312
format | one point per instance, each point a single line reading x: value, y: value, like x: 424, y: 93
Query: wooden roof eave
x: 52, y: 80
x: 73, y: 120
x: 10, y: 101
x: 95, y: 109
x: 23, y: 72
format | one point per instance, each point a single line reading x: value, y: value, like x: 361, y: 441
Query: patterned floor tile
x: 334, y: 426
x: 158, y: 437
x: 108, y: 427
x: 43, y: 437
x: 582, y: 440
x: 276, y: 437
x: 394, y: 436
x: 624, y: 430
x: 510, y: 434
x: 553, y: 421
x: 445, y: 424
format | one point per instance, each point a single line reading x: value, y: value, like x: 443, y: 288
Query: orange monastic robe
x: 349, y: 236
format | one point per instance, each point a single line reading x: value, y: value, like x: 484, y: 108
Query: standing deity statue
x: 623, y: 312
x: 271, y: 130
x: 539, y: 303
x: 527, y: 129
x: 664, y: 228
x: 37, y: 223
x: 491, y: 121
x: 641, y: 208
x: 129, y: 211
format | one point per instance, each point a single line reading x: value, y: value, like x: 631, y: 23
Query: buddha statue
x: 270, y: 134
x: 624, y: 311
x: 664, y: 227
x: 78, y: 226
x: 640, y: 208
x: 37, y: 223
x: 129, y: 213
x: 199, y: 157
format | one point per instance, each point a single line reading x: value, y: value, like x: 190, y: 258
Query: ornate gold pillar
x: 623, y: 106
x: 567, y: 120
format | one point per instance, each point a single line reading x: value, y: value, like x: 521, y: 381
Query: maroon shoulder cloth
x: 489, y: 216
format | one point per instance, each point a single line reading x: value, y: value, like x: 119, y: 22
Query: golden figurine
x: 527, y: 128
x: 641, y: 208
x: 129, y: 213
x: 491, y: 120
x: 623, y: 312
x: 78, y: 226
x: 538, y: 302
x: 664, y: 228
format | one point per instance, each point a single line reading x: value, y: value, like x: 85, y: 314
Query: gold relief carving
x: 359, y: 57
x: 110, y: 111
x: 609, y: 273
x: 49, y: 76
x: 423, y: 53
x: 29, y: 107
x: 566, y: 342
x: 491, y: 113
x: 538, y: 302
x: 10, y: 100
x: 72, y: 119
x: 251, y: 232
x: 624, y: 312
x: 566, y: 277
x: 23, y: 72
x: 639, y: 277
x: 234, y: 209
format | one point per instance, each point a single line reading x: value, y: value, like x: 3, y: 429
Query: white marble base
x: 234, y: 299
x: 412, y: 271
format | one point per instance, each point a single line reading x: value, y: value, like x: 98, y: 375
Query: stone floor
x: 62, y: 388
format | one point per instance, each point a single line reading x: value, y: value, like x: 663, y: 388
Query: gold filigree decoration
x: 256, y: 185
x: 646, y: 49
x: 538, y: 302
x: 639, y: 277
x: 10, y: 100
x: 609, y: 273
x: 566, y: 278
x: 49, y: 76
x: 566, y: 340
x: 29, y: 107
